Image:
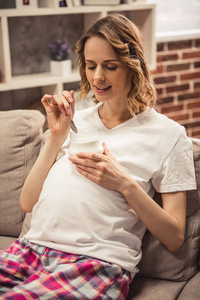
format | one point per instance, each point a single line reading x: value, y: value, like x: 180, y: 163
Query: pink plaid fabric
x: 29, y: 271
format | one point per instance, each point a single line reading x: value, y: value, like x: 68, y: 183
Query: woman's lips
x: 102, y: 90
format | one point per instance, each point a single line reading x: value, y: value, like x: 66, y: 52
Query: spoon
x: 72, y: 124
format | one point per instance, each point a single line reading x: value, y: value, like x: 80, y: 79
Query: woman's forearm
x: 34, y: 182
x: 168, y: 225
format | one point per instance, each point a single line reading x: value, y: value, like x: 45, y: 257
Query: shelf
x: 37, y: 80
x: 75, y: 10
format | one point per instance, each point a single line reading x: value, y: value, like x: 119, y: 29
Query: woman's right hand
x: 58, y: 112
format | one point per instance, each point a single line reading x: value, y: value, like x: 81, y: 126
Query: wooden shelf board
x: 37, y: 80
x: 74, y: 10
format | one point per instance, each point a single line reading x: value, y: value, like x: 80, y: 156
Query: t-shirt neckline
x: 131, y: 120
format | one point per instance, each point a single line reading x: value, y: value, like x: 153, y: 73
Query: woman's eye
x: 112, y: 68
x: 91, y: 67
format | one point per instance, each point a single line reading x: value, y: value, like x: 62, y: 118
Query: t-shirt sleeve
x: 177, y: 173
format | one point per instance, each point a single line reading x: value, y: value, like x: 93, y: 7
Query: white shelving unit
x: 143, y: 14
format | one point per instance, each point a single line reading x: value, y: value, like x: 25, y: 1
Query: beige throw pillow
x: 20, y: 142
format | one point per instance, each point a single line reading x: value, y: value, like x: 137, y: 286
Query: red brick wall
x: 177, y: 79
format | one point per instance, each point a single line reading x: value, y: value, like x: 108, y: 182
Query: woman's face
x: 109, y: 79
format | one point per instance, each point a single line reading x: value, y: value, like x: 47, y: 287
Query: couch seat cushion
x: 191, y: 290
x: 154, y: 289
x: 6, y: 241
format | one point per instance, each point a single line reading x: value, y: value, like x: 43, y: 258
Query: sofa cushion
x: 151, y: 289
x: 26, y: 224
x: 191, y: 290
x: 6, y: 241
x: 21, y: 138
x: 157, y: 261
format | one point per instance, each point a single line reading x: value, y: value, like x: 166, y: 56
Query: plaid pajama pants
x: 29, y: 271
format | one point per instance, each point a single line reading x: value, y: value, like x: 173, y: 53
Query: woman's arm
x: 58, y: 114
x: 167, y: 223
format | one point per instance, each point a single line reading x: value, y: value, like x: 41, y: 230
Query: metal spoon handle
x: 72, y: 124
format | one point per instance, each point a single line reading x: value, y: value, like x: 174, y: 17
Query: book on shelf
x: 101, y: 2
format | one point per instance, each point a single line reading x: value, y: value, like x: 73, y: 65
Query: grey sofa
x: 163, y: 275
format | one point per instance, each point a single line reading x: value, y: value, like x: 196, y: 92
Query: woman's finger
x: 90, y: 175
x: 66, y: 105
x: 86, y: 168
x: 69, y: 96
x: 91, y: 156
x: 57, y: 101
x: 72, y: 94
x: 106, y: 151
x: 82, y: 161
x: 45, y: 100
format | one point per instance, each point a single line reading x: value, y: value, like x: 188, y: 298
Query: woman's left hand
x: 102, y: 169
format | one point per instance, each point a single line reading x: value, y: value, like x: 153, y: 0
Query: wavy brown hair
x: 125, y: 38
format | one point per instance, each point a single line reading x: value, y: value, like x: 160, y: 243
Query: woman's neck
x: 113, y: 116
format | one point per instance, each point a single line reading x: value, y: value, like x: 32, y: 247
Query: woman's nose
x: 99, y: 74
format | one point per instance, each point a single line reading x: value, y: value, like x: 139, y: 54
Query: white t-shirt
x: 78, y: 216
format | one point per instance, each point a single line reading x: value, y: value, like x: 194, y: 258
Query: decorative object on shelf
x: 69, y: 3
x: 61, y: 68
x: 101, y: 2
x: 26, y: 4
x: 62, y: 3
x: 60, y: 64
x: 76, y: 2
x: 60, y: 50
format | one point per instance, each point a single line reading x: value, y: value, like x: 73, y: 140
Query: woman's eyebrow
x: 107, y: 60
x: 88, y: 60
x: 110, y: 60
